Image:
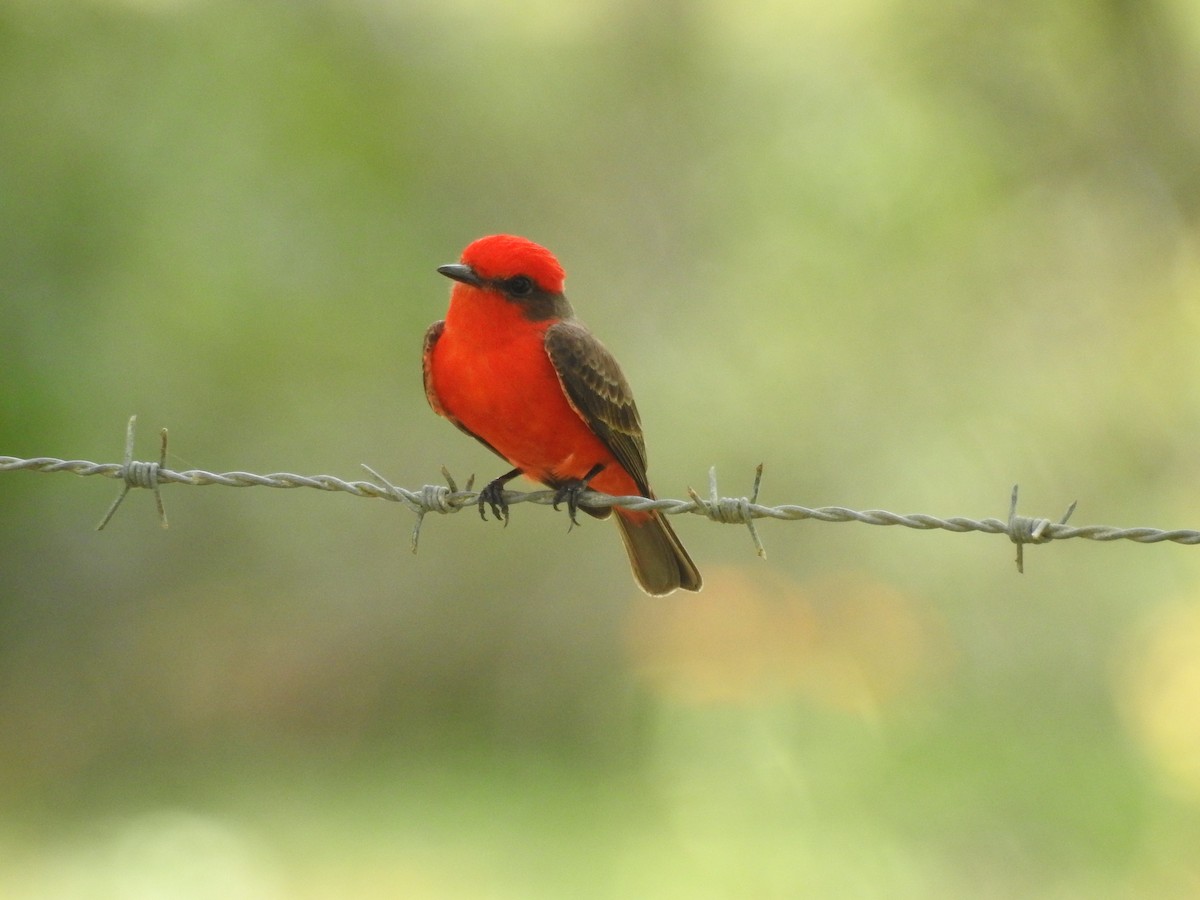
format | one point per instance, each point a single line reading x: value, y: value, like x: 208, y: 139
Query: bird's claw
x: 573, y: 490
x: 570, y: 494
x: 493, y: 495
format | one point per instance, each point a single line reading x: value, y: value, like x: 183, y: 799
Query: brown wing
x: 431, y: 337
x: 593, y: 383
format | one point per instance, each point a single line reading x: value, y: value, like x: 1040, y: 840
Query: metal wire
x: 447, y: 498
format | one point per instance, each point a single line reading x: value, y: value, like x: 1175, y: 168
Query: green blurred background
x: 903, y: 253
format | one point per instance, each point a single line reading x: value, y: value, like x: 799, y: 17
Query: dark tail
x: 659, y: 562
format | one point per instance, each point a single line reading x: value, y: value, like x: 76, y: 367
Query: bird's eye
x: 519, y: 285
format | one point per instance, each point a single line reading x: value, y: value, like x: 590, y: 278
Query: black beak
x: 460, y: 272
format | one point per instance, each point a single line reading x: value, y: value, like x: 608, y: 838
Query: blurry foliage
x: 903, y: 253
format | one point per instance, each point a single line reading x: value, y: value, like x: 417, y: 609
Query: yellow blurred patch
x: 1159, y: 691
x: 844, y: 641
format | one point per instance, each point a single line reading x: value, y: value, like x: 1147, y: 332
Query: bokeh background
x: 903, y: 253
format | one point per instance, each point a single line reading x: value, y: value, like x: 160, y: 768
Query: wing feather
x: 597, y: 389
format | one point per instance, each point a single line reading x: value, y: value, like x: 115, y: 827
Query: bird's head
x: 520, y: 270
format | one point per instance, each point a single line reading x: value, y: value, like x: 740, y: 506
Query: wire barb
x: 1024, y: 530
x: 732, y: 510
x: 437, y: 498
x: 139, y: 474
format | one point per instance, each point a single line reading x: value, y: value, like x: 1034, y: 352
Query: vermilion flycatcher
x: 511, y: 366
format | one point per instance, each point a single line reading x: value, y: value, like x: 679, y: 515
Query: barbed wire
x: 447, y: 498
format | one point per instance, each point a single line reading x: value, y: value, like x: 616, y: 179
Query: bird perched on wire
x: 511, y: 366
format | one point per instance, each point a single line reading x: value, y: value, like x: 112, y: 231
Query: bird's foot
x: 570, y: 493
x: 493, y: 495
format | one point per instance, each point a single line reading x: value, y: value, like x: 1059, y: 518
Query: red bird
x: 511, y: 366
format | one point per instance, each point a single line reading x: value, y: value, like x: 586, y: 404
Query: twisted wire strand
x: 447, y: 498
x: 739, y: 510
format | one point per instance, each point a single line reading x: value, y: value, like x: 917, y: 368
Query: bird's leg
x: 493, y: 496
x: 570, y: 491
